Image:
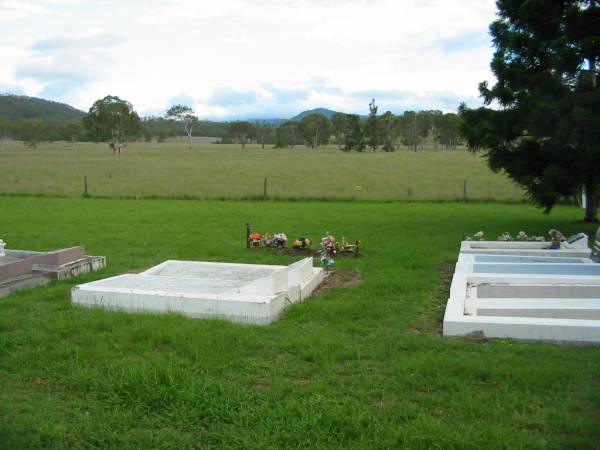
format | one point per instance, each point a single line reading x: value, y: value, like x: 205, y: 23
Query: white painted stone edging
x: 457, y: 321
x: 246, y: 293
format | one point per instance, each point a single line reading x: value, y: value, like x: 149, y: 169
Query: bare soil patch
x: 306, y: 252
x: 337, y: 279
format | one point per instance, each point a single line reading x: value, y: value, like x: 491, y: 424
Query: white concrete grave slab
x: 248, y: 293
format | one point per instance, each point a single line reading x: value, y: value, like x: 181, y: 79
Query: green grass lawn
x: 212, y: 171
x: 361, y: 367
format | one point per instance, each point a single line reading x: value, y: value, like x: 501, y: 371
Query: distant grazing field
x: 211, y: 171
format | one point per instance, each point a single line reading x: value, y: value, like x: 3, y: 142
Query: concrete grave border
x: 22, y: 269
x: 497, y: 294
x: 256, y: 300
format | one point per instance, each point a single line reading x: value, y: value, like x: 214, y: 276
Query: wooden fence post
x: 247, y: 235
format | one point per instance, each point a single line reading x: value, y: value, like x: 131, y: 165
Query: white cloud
x: 243, y: 57
x: 64, y: 64
x: 18, y: 9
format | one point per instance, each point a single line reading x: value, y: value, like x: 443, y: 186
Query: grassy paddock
x: 212, y: 171
x: 360, y: 367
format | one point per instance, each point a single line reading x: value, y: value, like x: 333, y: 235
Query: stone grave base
x: 246, y: 293
x: 21, y: 269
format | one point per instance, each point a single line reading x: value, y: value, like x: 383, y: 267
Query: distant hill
x: 326, y: 112
x: 272, y: 122
x: 23, y: 107
x: 276, y: 122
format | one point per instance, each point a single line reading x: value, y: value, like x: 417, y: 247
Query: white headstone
x: 2, y: 244
x: 577, y: 241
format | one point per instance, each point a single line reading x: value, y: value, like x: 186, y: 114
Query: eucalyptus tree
x: 389, y: 131
x: 338, y: 127
x: 435, y: 123
x: 354, y: 134
x: 113, y: 120
x: 264, y: 134
x: 448, y: 131
x: 184, y: 115
x: 544, y: 131
x: 72, y: 132
x: 289, y: 133
x: 241, y: 132
x: 411, y: 134
x: 315, y: 129
x: 33, y: 131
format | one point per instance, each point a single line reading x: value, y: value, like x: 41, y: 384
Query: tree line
x: 113, y: 119
x: 32, y: 131
x: 35, y: 130
x: 352, y: 132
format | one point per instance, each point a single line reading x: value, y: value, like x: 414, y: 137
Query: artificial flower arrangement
x: 328, y: 249
x: 276, y: 240
x: 505, y: 237
x: 267, y: 240
x: 557, y: 238
x: 522, y: 236
x: 279, y: 240
x: 255, y: 238
x: 301, y: 242
x: 329, y: 244
x: 343, y: 245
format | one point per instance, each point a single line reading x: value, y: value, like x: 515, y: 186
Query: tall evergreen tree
x: 545, y: 134
x: 373, y: 127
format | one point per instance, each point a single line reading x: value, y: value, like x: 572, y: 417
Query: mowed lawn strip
x: 211, y: 171
x: 361, y: 367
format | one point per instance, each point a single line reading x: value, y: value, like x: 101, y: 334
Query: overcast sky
x: 242, y: 58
